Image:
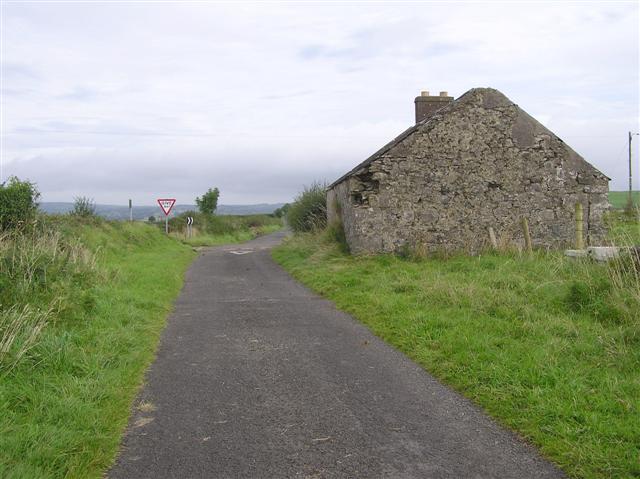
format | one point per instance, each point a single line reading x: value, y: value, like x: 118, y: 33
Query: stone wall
x: 481, y: 162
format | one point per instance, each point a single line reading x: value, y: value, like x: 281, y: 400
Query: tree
x: 18, y: 202
x: 282, y: 211
x: 152, y: 219
x: 208, y: 203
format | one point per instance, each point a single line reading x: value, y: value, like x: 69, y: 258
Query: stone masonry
x: 475, y: 163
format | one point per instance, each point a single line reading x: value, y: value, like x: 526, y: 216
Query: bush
x: 17, y: 203
x: 83, y: 207
x: 309, y: 210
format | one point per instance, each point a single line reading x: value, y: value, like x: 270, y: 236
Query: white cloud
x: 122, y: 100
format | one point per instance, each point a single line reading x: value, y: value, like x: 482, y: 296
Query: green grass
x: 108, y: 287
x: 624, y: 229
x: 239, y: 236
x: 214, y: 230
x: 547, y: 345
x: 618, y: 199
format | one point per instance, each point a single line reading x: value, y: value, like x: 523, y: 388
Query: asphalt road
x: 257, y: 377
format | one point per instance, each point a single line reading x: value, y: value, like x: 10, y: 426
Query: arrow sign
x: 166, y: 204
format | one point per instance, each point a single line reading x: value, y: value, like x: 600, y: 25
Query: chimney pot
x: 427, y: 105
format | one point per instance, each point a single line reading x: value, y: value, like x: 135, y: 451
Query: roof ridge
x: 392, y: 143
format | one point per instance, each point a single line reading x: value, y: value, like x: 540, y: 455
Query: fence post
x: 579, y: 227
x: 527, y: 235
x: 492, y: 237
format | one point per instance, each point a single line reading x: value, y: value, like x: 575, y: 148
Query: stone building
x: 468, y: 165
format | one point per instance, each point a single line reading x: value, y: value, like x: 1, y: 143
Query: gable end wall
x: 445, y: 184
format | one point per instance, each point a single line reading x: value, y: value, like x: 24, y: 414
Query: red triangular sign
x: 166, y: 204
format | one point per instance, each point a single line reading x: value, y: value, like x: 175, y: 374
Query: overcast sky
x: 147, y: 99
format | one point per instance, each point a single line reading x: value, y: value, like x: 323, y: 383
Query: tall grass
x: 82, y: 304
x: 40, y: 272
x: 19, y: 330
x: 212, y: 230
x: 309, y: 210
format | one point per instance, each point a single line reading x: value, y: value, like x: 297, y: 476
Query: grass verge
x: 214, y: 230
x: 240, y: 236
x: 548, y: 346
x: 106, y: 289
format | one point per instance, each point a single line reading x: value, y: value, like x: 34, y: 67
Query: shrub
x: 17, y: 203
x: 309, y: 210
x: 83, y: 207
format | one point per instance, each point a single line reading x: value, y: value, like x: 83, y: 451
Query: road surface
x: 257, y: 377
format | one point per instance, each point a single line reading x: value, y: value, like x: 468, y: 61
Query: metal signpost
x: 165, y: 205
x: 189, y: 225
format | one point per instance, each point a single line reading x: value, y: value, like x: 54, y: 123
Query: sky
x: 120, y: 99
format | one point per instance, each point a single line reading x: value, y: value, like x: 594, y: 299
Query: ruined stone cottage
x: 468, y: 165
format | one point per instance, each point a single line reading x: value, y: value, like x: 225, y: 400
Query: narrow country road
x: 257, y: 377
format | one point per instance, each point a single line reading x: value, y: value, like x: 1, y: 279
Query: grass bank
x: 82, y: 305
x: 547, y: 345
x: 224, y: 229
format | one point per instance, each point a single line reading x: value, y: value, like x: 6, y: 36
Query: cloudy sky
x: 118, y: 100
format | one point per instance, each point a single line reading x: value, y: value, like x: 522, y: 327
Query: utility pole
x: 130, y: 212
x: 630, y: 198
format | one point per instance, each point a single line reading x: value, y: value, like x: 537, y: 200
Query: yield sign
x: 166, y: 204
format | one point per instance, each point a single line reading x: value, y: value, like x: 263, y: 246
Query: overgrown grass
x: 94, y: 296
x: 213, y: 230
x: 229, y: 238
x: 548, y: 345
x: 624, y: 229
x: 308, y: 212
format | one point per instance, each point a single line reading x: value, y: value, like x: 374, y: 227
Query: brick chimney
x: 427, y: 105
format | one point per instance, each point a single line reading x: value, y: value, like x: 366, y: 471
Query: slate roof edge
x: 405, y: 134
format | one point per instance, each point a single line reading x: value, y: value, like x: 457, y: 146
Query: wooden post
x: 527, y: 235
x: 492, y: 237
x: 630, y: 197
x: 579, y: 227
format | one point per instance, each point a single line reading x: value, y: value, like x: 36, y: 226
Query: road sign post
x: 165, y: 205
x: 189, y: 225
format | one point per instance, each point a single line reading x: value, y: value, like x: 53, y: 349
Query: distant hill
x: 120, y: 212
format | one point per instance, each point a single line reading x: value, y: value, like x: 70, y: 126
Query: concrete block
x: 603, y: 253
